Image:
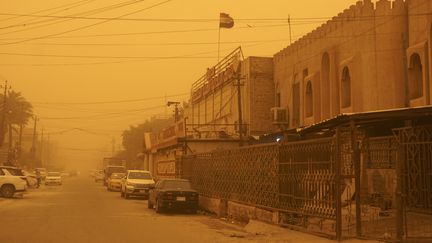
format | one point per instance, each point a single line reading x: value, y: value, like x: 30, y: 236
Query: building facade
x: 369, y: 57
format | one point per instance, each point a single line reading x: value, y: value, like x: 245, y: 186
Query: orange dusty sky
x: 157, y: 48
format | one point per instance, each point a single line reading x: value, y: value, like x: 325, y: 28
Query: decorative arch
x: 415, y: 77
x: 346, y: 88
x: 309, y: 99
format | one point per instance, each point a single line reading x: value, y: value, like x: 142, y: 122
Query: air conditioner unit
x: 279, y: 115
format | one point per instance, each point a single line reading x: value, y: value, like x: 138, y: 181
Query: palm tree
x: 16, y: 110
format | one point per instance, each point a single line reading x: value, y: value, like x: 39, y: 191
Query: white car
x: 136, y: 183
x: 11, y: 184
x: 53, y: 178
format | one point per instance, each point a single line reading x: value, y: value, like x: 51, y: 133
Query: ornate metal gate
x: 415, y: 181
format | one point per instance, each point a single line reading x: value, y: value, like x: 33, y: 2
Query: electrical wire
x: 205, y: 20
x: 56, y: 21
x: 46, y: 10
x: 149, y: 33
x: 88, y: 26
x: 113, y: 101
x: 103, y: 57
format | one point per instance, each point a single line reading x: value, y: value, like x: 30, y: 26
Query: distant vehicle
x: 173, y: 194
x: 136, y: 183
x: 42, y: 171
x: 53, y: 178
x: 31, y: 178
x: 11, y: 184
x: 74, y: 173
x: 92, y: 173
x: 64, y: 174
x: 99, y: 176
x: 112, y: 165
x: 112, y: 169
x: 114, y: 181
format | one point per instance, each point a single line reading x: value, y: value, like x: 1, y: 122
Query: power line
x: 149, y: 33
x: 88, y: 26
x: 103, y: 116
x: 113, y: 101
x: 49, y: 9
x: 56, y: 21
x: 182, y: 20
x: 103, y: 57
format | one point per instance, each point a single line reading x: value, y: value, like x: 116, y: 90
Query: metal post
x: 239, y: 104
x: 398, y: 197
x: 357, y: 174
x: 338, y: 186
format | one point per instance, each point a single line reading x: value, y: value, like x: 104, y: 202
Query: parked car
x: 31, y: 178
x: 42, y: 171
x: 173, y: 194
x: 136, y: 183
x: 53, y: 178
x: 11, y: 184
x: 114, y: 181
x: 112, y: 169
x: 99, y: 176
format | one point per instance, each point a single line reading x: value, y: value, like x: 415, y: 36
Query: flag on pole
x: 226, y: 21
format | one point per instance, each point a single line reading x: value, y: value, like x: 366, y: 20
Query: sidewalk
x: 256, y: 231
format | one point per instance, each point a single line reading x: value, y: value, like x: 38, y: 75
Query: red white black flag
x: 226, y: 21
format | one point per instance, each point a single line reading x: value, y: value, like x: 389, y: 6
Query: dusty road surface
x: 82, y: 211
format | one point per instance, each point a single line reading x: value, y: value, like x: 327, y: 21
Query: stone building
x: 214, y: 107
x: 211, y: 118
x: 369, y: 57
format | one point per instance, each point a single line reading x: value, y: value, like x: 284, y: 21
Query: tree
x: 133, y: 138
x: 19, y: 110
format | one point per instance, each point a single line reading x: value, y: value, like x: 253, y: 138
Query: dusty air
x: 215, y: 121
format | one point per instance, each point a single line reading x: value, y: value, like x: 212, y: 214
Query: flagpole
x: 219, y: 44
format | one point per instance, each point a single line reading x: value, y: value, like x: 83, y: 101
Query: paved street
x: 83, y: 211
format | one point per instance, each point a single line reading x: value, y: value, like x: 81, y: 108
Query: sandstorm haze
x: 84, y: 102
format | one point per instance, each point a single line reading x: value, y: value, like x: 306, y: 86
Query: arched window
x: 415, y: 79
x: 346, y: 88
x: 325, y: 85
x: 309, y: 99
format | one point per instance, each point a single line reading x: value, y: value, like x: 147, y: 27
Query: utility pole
x: 48, y: 151
x: 33, y: 148
x: 3, y: 121
x: 41, y: 147
x: 289, y: 26
x: 239, y: 105
x: 113, y: 142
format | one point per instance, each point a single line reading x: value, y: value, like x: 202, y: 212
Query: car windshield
x: 53, y: 174
x: 173, y: 184
x: 15, y: 171
x: 117, y: 175
x: 139, y: 175
x: 116, y: 169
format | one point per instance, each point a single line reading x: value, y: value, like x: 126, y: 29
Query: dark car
x: 173, y: 194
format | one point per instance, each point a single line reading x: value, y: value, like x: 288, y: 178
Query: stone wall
x: 352, y: 63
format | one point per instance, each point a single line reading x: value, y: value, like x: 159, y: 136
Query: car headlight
x: 130, y: 184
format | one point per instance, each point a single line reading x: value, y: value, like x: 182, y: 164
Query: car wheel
x: 8, y: 191
x: 149, y: 204
x: 158, y: 207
